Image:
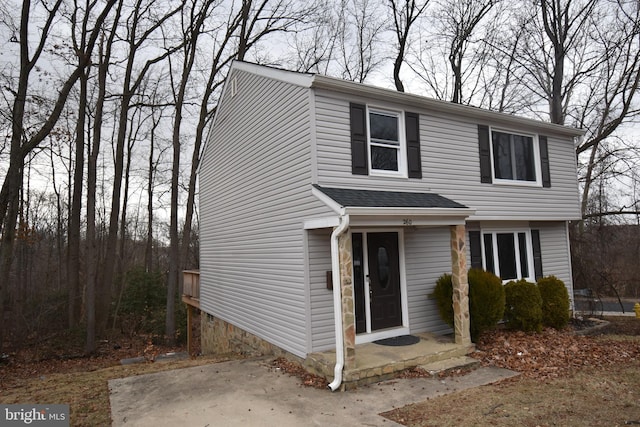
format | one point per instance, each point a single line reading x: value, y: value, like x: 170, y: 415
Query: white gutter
x: 337, y: 301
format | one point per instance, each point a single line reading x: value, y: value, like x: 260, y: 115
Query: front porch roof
x: 368, y: 207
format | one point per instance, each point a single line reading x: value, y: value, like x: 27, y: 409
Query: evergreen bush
x: 523, y: 306
x: 143, y: 306
x: 443, y: 295
x: 555, y: 302
x: 486, y: 300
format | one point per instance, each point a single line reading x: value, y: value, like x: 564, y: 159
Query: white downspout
x: 337, y: 301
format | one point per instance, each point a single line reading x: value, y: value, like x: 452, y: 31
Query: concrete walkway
x: 251, y: 393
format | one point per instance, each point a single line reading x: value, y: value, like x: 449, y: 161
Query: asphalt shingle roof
x: 387, y: 199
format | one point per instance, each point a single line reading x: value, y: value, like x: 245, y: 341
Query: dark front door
x: 384, y: 280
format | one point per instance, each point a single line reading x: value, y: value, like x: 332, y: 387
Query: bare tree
x: 21, y: 142
x: 452, y: 52
x: 405, y: 15
x: 141, y: 27
x: 611, y: 99
x: 193, y: 26
x: 360, y: 26
x: 313, y: 45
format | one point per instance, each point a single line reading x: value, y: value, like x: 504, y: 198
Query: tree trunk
x: 73, y: 262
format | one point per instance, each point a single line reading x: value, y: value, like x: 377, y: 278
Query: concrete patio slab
x: 252, y: 393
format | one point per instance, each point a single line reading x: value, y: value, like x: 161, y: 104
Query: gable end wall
x: 254, y: 182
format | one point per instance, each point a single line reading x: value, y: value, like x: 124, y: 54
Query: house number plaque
x: 407, y: 221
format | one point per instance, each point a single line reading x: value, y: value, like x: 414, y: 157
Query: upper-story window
x: 513, y: 158
x: 386, y: 145
x: 385, y: 142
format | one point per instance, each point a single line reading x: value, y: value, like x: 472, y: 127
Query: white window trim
x: 402, y: 171
x: 536, y: 159
x: 494, y: 242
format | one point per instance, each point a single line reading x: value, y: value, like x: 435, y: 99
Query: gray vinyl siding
x: 556, y: 254
x: 255, y: 183
x: 450, y: 164
x: 322, y: 317
x: 427, y: 257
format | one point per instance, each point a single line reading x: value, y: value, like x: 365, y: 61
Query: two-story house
x: 329, y: 209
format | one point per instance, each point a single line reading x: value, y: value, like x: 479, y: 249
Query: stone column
x: 460, y: 285
x: 348, y: 311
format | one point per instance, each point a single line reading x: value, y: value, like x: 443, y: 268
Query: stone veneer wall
x: 219, y: 337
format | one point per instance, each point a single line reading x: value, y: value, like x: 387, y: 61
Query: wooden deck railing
x: 191, y: 297
x: 191, y: 287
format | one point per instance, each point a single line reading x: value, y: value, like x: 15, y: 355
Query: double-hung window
x: 386, y: 142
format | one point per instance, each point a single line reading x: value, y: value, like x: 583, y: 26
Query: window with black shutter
x: 513, y: 158
x: 385, y: 142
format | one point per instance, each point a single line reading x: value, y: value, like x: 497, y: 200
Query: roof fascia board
x: 345, y: 86
x: 391, y: 221
x: 520, y: 218
x: 406, y: 212
x: 326, y: 222
x: 294, y: 77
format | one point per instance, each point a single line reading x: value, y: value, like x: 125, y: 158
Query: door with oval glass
x: 384, y: 280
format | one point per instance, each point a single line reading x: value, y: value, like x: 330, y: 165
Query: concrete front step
x: 450, y: 364
x: 376, y: 363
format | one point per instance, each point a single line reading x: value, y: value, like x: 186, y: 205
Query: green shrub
x: 144, y: 300
x: 486, y: 300
x: 555, y: 302
x: 143, y: 307
x: 523, y: 306
x: 443, y: 294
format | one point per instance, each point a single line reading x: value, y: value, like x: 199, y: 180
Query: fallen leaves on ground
x: 550, y: 354
x: 553, y: 354
x: 294, y: 369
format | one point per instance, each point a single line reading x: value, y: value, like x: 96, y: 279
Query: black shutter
x: 359, y: 163
x: 412, y: 123
x: 485, y: 154
x: 544, y: 161
x: 488, y: 252
x: 475, y: 248
x: 537, y: 254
